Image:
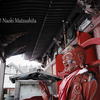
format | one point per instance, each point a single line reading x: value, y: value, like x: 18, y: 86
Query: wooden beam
x: 2, y: 73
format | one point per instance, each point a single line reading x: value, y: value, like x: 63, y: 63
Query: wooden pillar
x: 97, y: 34
x: 2, y: 73
x: 59, y: 67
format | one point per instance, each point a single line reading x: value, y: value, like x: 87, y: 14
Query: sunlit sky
x: 19, y: 60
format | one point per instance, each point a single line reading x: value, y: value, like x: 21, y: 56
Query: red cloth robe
x: 65, y: 85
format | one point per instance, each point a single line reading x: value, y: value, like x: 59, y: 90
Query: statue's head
x: 74, y: 58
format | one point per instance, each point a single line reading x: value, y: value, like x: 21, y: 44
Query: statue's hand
x: 44, y: 90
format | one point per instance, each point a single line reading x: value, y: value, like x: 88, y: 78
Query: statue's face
x: 71, y: 61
